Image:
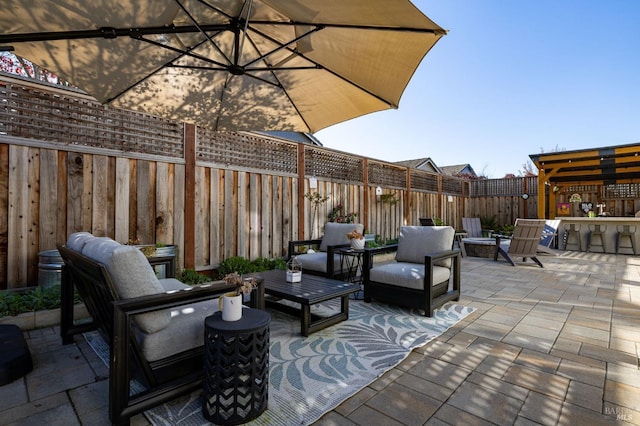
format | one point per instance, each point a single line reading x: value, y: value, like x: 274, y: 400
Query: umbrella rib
x: 436, y: 31
x: 165, y: 65
x: 281, y: 45
x: 320, y: 66
x: 204, y: 33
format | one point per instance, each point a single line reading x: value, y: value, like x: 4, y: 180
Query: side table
x: 236, y: 367
x: 351, y: 265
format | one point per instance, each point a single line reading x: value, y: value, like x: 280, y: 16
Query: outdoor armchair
x: 324, y: 261
x: 424, y: 275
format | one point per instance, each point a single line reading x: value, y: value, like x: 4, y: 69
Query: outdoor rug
x: 310, y: 376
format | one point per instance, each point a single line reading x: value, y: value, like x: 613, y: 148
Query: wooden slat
x: 242, y: 221
x: 164, y: 203
x: 255, y: 196
x: 87, y: 188
x: 179, y: 214
x: 122, y: 199
x: 74, y: 193
x: 217, y: 209
x: 99, y: 206
x: 17, y: 240
x: 202, y: 216
x: 289, y: 197
x: 61, y: 197
x: 266, y: 217
x: 4, y: 214
x: 33, y: 218
x: 229, y: 217
x: 48, y: 178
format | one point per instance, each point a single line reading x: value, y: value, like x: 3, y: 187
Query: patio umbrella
x: 296, y: 65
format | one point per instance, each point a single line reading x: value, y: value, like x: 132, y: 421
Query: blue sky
x: 512, y: 78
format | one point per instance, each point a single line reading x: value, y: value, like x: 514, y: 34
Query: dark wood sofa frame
x: 428, y: 298
x: 165, y: 379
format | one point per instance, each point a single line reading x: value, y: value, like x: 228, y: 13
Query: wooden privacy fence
x: 69, y: 164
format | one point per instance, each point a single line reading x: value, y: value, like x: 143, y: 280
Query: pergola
x: 598, y: 166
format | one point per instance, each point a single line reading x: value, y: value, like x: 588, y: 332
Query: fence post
x: 301, y: 175
x: 407, y: 199
x: 365, y: 180
x: 190, y: 196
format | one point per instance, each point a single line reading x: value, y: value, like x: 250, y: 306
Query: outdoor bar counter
x: 610, y: 234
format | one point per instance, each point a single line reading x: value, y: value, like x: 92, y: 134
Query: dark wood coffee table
x: 310, y: 291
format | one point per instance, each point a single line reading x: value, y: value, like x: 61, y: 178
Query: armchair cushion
x: 417, y: 241
x: 317, y: 262
x: 409, y: 275
x: 336, y: 233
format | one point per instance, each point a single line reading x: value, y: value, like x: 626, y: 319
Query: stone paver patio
x: 552, y: 346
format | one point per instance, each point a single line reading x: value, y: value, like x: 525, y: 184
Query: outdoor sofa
x: 154, y: 327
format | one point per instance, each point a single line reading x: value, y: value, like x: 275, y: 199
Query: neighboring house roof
x: 426, y: 164
x: 293, y: 137
x: 459, y: 170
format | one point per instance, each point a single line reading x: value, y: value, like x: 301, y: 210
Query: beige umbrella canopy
x: 296, y: 65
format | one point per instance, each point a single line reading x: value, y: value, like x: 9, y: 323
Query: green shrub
x: 38, y: 299
x: 244, y: 266
x: 235, y: 264
x: 191, y: 277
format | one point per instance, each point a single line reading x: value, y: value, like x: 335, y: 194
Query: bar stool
x: 597, y: 232
x: 626, y: 231
x: 572, y: 237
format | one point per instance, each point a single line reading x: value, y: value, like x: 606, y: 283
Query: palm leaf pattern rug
x: 310, y: 376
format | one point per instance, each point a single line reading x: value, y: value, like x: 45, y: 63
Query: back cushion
x: 132, y: 276
x: 336, y: 233
x: 77, y: 240
x: 417, y: 241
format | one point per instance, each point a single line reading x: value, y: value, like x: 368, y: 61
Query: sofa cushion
x: 409, y: 275
x: 99, y: 248
x: 172, y: 284
x: 77, y: 240
x: 336, y: 233
x: 132, y: 276
x: 186, y: 327
x: 417, y: 241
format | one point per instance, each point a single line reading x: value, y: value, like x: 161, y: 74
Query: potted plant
x: 357, y: 239
x: 231, y: 303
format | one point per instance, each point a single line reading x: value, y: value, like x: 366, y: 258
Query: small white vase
x: 231, y: 306
x: 357, y: 244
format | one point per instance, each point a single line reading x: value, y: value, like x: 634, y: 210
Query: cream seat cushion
x: 404, y: 274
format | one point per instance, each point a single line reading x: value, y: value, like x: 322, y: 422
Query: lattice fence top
x: 387, y: 175
x: 452, y: 185
x: 246, y: 151
x: 31, y: 112
x: 622, y: 190
x: 335, y: 166
x: 504, y: 187
x: 424, y: 181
